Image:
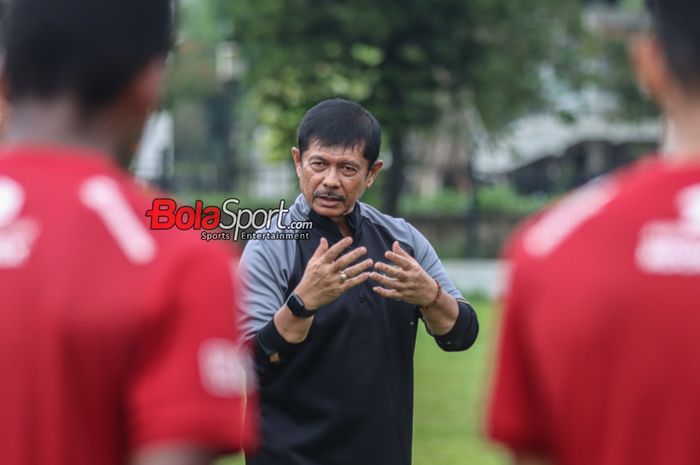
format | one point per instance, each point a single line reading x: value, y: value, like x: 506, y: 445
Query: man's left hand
x: 406, y: 280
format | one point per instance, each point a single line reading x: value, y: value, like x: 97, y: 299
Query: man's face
x: 332, y: 179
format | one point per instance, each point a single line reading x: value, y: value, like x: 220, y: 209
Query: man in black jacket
x: 333, y: 317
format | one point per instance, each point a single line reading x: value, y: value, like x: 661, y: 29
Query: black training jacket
x: 345, y: 395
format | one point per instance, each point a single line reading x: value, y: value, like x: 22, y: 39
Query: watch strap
x: 296, y: 306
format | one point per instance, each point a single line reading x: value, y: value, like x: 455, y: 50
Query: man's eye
x: 348, y: 170
x: 318, y: 165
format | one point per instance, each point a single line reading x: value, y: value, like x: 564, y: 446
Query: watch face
x: 296, y: 303
x: 297, y: 307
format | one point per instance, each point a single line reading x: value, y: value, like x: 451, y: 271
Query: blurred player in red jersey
x: 3, y: 114
x: 600, y: 357
x: 118, y: 345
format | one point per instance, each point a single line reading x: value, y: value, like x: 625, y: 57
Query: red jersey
x: 600, y: 354
x: 112, y: 337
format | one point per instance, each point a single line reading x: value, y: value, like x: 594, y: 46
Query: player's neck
x: 57, y: 122
x: 682, y: 138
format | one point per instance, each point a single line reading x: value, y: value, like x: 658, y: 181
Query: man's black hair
x: 677, y: 25
x: 341, y: 123
x: 92, y: 49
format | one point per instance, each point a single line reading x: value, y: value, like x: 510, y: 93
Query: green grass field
x: 450, y: 400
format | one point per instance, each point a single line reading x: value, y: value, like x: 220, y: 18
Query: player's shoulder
x: 58, y: 173
x: 77, y: 198
x: 120, y: 202
x: 594, y: 206
x: 172, y: 242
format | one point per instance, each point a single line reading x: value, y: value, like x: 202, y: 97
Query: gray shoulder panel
x: 265, y: 269
x: 423, y: 251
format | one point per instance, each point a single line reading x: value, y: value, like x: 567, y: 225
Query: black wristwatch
x: 297, y: 307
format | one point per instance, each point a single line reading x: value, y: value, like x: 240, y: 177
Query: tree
x: 201, y: 102
x: 395, y: 57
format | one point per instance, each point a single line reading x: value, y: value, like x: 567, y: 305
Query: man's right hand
x: 323, y: 282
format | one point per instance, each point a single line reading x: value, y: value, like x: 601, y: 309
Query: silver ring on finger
x: 343, y: 277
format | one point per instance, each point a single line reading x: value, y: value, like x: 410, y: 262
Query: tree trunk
x: 395, y: 179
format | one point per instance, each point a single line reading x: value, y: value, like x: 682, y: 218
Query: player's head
x: 677, y: 27
x: 340, y: 123
x: 668, y: 59
x: 101, y: 54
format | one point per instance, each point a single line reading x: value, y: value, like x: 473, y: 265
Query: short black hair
x: 92, y: 49
x: 341, y: 123
x: 677, y: 25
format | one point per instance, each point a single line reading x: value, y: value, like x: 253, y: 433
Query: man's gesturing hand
x: 322, y: 282
x: 406, y: 281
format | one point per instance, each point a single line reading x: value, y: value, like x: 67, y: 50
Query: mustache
x: 329, y: 195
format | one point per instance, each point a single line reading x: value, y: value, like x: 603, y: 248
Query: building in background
x: 550, y: 154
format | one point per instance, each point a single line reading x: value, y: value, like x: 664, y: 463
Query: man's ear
x: 651, y: 68
x: 134, y: 105
x: 144, y: 93
x: 374, y: 171
x: 296, y: 156
x: 4, y: 88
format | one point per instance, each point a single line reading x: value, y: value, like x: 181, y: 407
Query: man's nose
x: 332, y: 179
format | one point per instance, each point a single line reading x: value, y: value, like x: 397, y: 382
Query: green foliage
x: 191, y: 84
x: 192, y: 70
x: 394, y: 56
x: 503, y: 199
x: 446, y: 202
x: 496, y: 199
x: 499, y: 199
x: 598, y: 60
x: 632, y: 5
x: 518, y: 40
x: 218, y: 198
